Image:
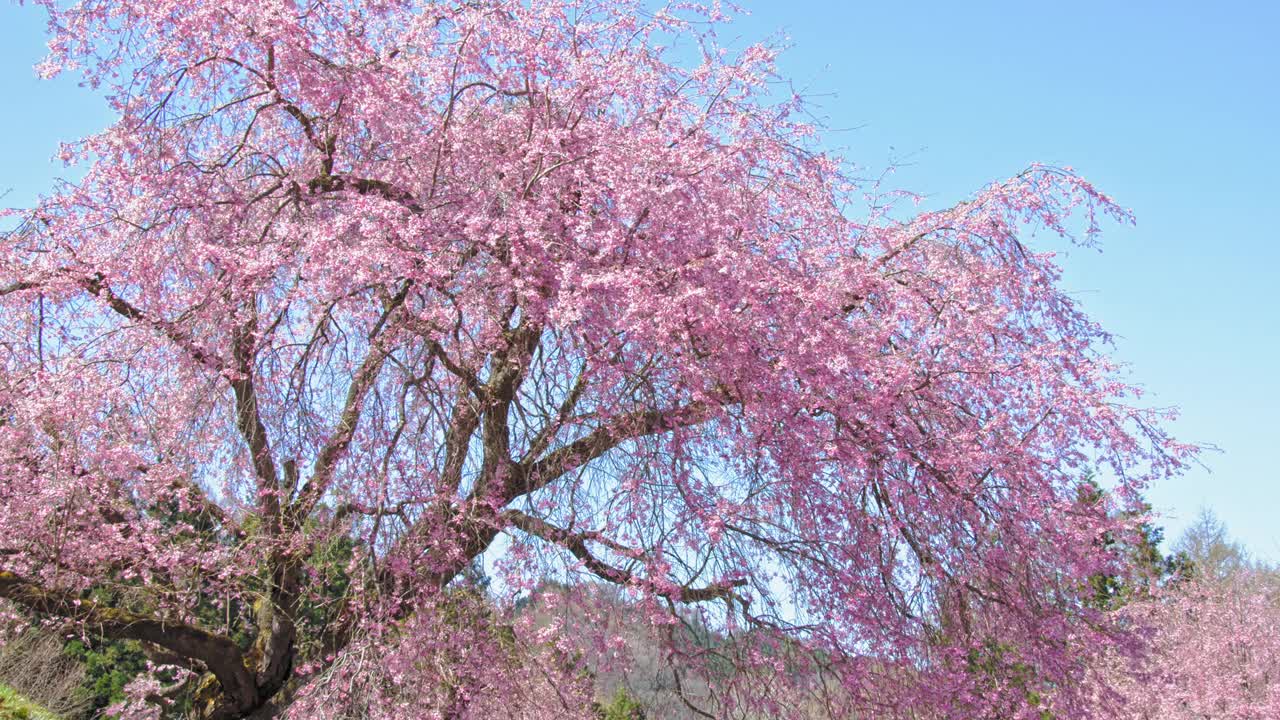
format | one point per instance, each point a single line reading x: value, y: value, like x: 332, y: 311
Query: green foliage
x: 623, y: 706
x: 16, y: 707
x: 998, y: 664
x: 329, y: 584
x: 1147, y: 565
x: 109, y: 665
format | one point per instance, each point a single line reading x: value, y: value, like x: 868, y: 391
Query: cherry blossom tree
x: 1214, y: 651
x: 356, y: 295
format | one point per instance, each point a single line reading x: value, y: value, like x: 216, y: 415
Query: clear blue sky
x: 1172, y: 107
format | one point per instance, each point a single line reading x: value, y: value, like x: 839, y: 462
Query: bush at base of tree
x: 108, y: 666
x: 622, y: 706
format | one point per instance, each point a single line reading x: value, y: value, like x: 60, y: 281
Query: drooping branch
x: 547, y: 433
x: 366, y: 186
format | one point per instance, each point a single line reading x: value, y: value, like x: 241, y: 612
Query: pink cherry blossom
x: 1213, y: 652
x: 375, y: 292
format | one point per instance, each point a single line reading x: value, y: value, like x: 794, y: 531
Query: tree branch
x: 530, y: 475
x: 340, y: 439
x: 366, y: 186
x: 222, y: 656
x: 97, y: 286
x: 249, y: 421
x: 17, y: 286
x: 576, y: 544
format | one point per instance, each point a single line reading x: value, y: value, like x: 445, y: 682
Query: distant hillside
x: 634, y: 661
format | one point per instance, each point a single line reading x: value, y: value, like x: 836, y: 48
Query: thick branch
x: 530, y: 475
x: 510, y: 368
x: 97, y: 286
x: 17, y: 286
x: 463, y: 423
x: 366, y: 186
x: 222, y: 656
x: 249, y: 422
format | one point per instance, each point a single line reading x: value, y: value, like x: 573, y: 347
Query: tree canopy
x: 355, y: 295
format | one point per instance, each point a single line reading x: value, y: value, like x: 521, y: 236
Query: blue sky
x: 1171, y: 107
